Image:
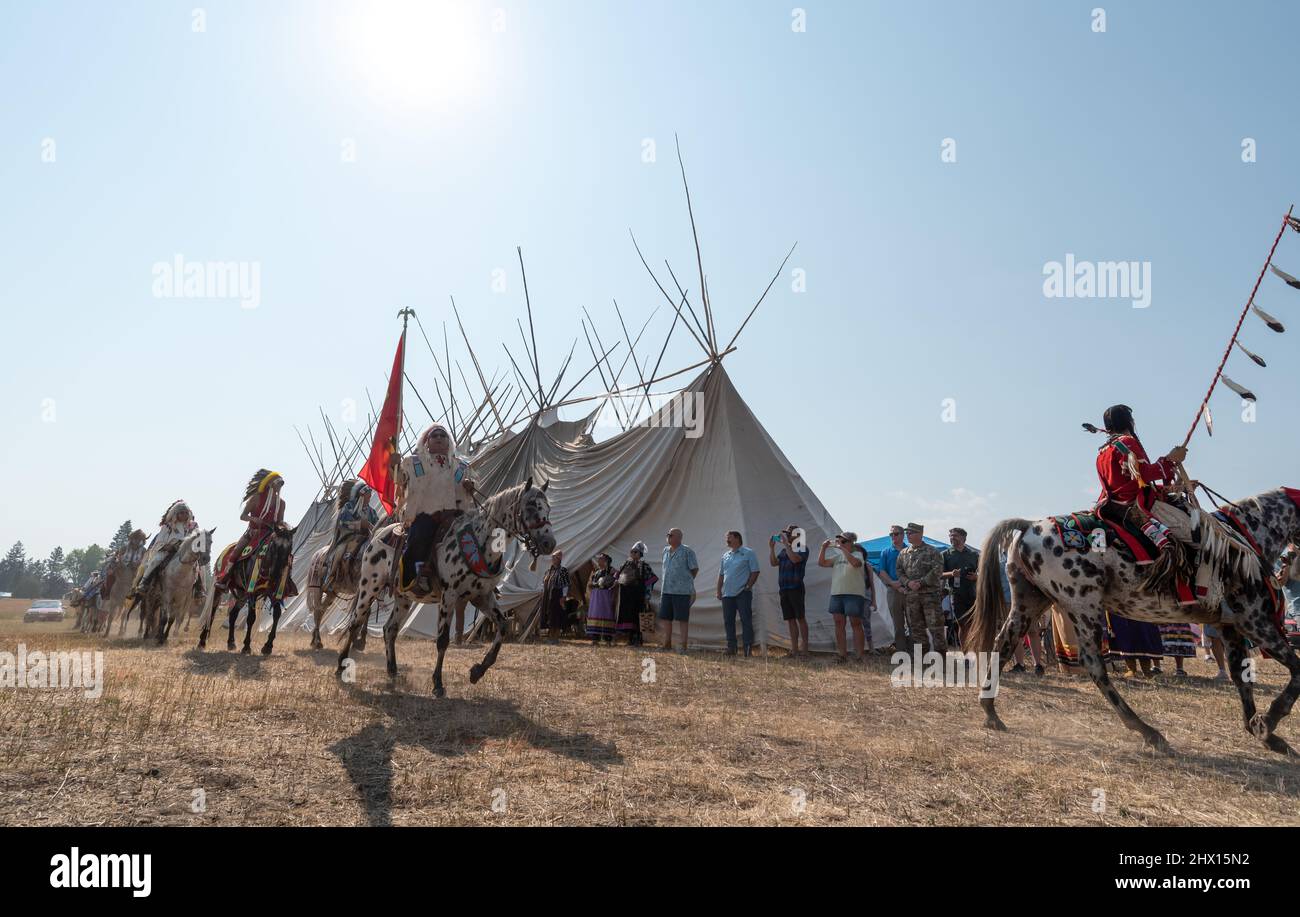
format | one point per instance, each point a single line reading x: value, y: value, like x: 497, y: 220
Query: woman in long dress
x: 1179, y: 642
x: 602, y: 597
x: 1137, y: 643
x: 635, y: 580
x: 555, y: 598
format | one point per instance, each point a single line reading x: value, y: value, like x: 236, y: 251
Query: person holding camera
x: 848, y: 590
x: 793, y: 562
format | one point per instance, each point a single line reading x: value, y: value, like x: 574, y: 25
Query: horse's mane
x: 495, y: 505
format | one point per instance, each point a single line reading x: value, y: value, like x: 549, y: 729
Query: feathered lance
x: 1288, y: 220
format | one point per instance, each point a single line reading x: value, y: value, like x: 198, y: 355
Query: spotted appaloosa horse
x: 276, y: 561
x: 521, y: 512
x: 1042, y: 572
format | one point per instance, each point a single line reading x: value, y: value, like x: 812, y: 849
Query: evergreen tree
x: 122, y: 537
x: 13, y: 568
x: 31, y: 581
x: 55, y: 578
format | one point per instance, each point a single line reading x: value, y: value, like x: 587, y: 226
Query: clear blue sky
x: 476, y: 131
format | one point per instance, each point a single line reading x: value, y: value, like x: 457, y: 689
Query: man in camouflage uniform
x: 919, y: 569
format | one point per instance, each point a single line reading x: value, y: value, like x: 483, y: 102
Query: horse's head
x: 535, y: 516
x: 201, y: 544
x: 279, y: 548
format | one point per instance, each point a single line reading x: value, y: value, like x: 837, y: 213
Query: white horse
x: 170, y: 597
x: 521, y: 512
x: 1084, y: 585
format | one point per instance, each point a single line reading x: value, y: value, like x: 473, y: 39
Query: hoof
x: 203, y: 644
x: 230, y: 647
x: 246, y: 651
x: 266, y: 650
x: 439, y: 691
x: 1158, y: 744
x: 316, y: 644
x: 475, y: 673
x: 1260, y: 727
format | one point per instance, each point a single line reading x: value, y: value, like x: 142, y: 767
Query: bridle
x: 516, y: 526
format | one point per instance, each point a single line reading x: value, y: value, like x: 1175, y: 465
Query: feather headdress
x: 261, y: 480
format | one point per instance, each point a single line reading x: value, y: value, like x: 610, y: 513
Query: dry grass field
x: 574, y: 735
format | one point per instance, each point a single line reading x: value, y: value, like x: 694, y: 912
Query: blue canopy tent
x: 882, y: 623
x: 874, y: 546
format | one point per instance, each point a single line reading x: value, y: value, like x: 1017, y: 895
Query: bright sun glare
x: 414, y: 53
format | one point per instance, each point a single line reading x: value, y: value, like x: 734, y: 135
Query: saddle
x: 1213, y: 548
x: 258, y: 580
x: 471, y: 550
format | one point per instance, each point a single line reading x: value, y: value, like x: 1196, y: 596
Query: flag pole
x: 1218, y: 373
x: 404, y: 314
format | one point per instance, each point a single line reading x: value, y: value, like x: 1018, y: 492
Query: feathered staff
x: 1273, y: 323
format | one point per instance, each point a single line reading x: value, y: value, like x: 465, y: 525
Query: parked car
x: 44, y: 610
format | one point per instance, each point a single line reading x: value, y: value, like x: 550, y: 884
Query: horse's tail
x: 990, y: 608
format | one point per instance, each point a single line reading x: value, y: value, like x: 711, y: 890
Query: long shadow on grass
x: 448, y: 727
x: 224, y: 662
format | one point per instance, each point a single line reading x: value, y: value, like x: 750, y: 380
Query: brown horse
x: 272, y: 567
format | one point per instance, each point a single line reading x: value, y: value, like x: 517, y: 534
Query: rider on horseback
x: 356, y: 520
x: 263, y: 511
x: 433, y: 488
x: 174, y: 526
x: 1128, y: 477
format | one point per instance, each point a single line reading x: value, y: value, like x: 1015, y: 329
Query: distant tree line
x: 51, y: 577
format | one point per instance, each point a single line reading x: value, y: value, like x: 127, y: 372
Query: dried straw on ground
x: 613, y: 736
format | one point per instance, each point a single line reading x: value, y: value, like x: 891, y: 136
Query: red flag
x: 378, y: 472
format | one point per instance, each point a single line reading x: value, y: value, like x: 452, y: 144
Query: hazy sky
x: 365, y: 157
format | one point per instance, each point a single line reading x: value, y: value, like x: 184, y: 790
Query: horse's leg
x: 1235, y: 644
x: 401, y: 608
x: 444, y: 624
x: 323, y: 601
x: 1088, y: 624
x: 163, y: 619
x: 360, y: 616
x: 248, y: 625
x: 1027, y: 605
x: 1259, y: 626
x: 478, y: 670
x: 234, y: 617
x: 277, y: 607
x: 209, y: 614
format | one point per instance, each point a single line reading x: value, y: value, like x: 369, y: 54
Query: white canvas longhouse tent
x: 726, y: 474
